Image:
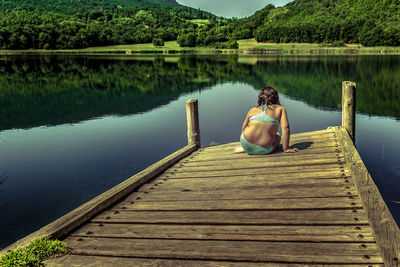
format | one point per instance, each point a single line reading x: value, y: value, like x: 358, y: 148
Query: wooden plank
x: 300, y: 171
x: 248, y: 160
x: 386, y: 230
x: 73, y: 219
x: 95, y: 261
x: 320, y: 152
x: 300, y: 145
x: 285, y: 191
x: 297, y: 252
x: 258, y: 164
x: 229, y: 183
x: 355, y: 217
x: 230, y: 232
x: 245, y: 204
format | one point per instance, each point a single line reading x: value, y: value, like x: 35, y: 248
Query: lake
x: 72, y: 127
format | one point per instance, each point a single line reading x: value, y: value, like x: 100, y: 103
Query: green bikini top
x: 263, y: 117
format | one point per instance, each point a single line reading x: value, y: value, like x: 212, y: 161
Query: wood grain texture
x: 265, y: 182
x: 306, y: 252
x: 349, y: 107
x: 354, y: 217
x: 386, y: 231
x: 96, y: 261
x: 245, y: 204
x: 227, y: 155
x: 301, y: 171
x: 249, y: 161
x: 192, y: 116
x: 278, y: 191
x: 296, y: 233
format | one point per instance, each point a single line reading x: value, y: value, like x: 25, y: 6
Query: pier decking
x: 216, y: 208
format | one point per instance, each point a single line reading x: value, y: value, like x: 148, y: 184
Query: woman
x: 260, y: 128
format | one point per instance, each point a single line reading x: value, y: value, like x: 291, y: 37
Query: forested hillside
x: 64, y: 24
x: 369, y: 22
x: 75, y: 6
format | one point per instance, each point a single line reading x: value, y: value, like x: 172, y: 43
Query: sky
x: 232, y: 8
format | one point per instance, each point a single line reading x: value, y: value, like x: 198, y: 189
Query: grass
x: 247, y: 46
x: 34, y: 254
x: 199, y: 21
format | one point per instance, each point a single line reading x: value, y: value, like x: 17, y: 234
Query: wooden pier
x: 205, y: 206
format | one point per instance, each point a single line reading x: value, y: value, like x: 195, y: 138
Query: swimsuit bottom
x: 252, y: 149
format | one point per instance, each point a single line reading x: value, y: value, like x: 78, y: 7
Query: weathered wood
x: 246, y: 204
x: 320, y: 153
x: 238, y: 161
x: 349, y: 108
x: 192, y: 114
x: 247, y: 163
x: 310, y: 233
x: 95, y: 261
x: 386, y: 231
x: 300, y: 145
x: 302, y: 171
x: 229, y: 183
x: 280, y: 191
x: 256, y: 164
x: 354, y: 217
x: 73, y: 219
x: 228, y: 250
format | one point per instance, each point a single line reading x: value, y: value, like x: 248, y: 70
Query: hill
x: 63, y: 24
x: 326, y: 22
x: 369, y: 22
x: 72, y: 7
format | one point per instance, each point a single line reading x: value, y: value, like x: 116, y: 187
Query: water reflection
x: 51, y: 90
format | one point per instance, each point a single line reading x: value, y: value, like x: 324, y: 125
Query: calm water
x: 73, y: 127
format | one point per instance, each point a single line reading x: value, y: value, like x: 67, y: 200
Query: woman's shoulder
x: 277, y: 107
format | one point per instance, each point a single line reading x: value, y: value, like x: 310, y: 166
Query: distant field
x: 248, y: 46
x: 200, y: 21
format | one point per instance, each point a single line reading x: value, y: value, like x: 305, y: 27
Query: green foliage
x: 187, y: 39
x: 368, y: 22
x: 82, y: 6
x: 33, y: 254
x: 42, y: 24
x: 333, y: 44
x: 158, y: 42
x: 231, y: 44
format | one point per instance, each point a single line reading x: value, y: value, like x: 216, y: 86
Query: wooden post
x: 192, y: 114
x: 349, y: 108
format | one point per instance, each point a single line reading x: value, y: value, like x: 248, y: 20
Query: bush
x: 333, y: 44
x: 232, y: 44
x: 158, y: 42
x: 187, y: 40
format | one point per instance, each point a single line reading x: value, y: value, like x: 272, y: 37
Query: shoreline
x: 289, y: 52
x: 246, y: 47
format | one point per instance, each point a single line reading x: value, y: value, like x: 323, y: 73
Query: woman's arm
x: 286, y: 133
